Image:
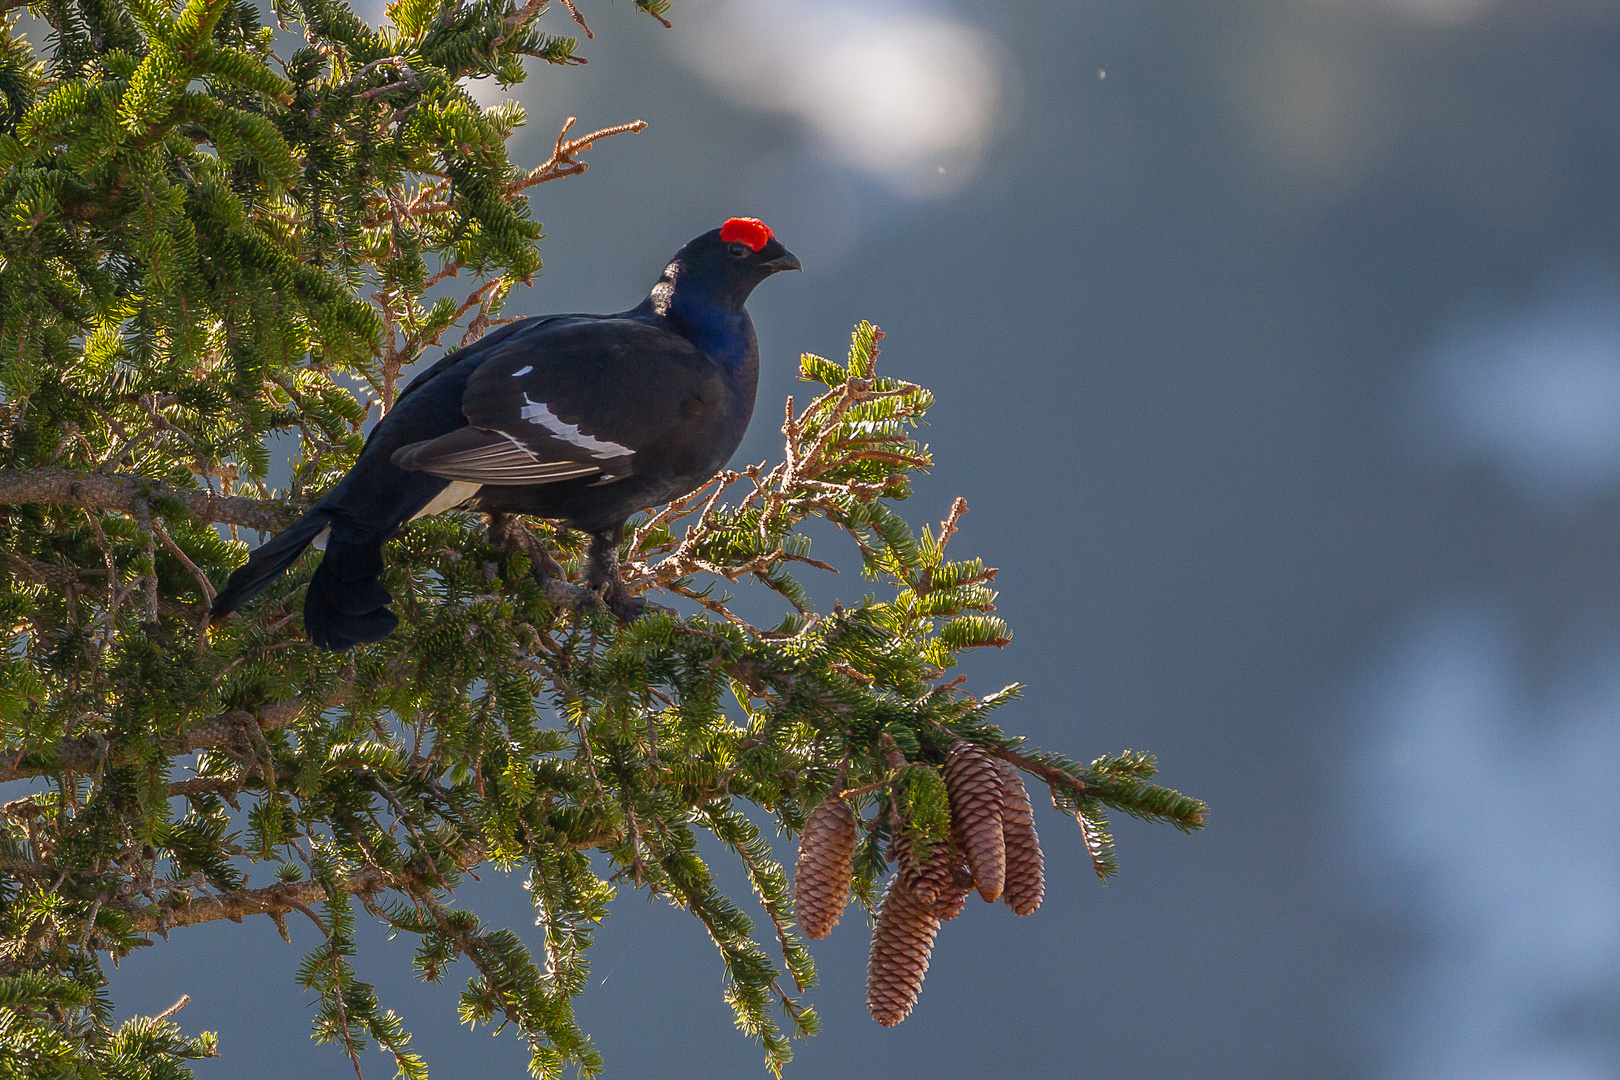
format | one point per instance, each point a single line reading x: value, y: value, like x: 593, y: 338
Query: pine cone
x: 930, y: 880
x: 821, y: 876
x: 974, y: 784
x: 953, y: 895
x: 1026, y: 880
x: 901, y: 942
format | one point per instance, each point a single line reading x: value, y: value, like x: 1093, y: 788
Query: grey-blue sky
x: 1174, y: 321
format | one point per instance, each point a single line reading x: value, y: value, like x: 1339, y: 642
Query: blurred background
x: 1278, y: 354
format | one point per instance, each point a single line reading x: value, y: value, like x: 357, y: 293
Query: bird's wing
x: 488, y: 343
x: 572, y: 399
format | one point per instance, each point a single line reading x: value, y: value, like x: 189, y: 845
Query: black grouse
x: 586, y: 419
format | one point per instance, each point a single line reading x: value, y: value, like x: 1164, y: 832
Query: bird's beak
x: 789, y: 261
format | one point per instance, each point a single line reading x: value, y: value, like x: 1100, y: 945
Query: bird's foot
x: 511, y: 535
x: 627, y: 608
x: 603, y: 576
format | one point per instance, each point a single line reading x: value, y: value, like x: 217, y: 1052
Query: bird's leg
x: 602, y: 575
x: 510, y: 535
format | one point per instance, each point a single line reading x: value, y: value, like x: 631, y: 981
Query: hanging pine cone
x: 941, y: 884
x: 1026, y: 880
x: 974, y: 784
x: 821, y: 876
x: 953, y: 895
x: 901, y: 942
x: 929, y: 880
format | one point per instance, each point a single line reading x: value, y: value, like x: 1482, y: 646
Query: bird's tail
x: 268, y: 562
x: 346, y: 604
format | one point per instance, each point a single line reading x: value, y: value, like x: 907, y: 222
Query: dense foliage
x: 218, y: 239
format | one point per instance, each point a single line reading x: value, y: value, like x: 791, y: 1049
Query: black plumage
x: 587, y: 419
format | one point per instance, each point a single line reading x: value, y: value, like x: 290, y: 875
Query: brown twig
x: 185, y: 561
x: 185, y: 999
x: 574, y: 11
x: 947, y: 528
x: 1052, y: 776
x: 517, y: 19
x: 562, y: 161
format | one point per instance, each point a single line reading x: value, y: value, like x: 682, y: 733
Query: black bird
x: 587, y: 419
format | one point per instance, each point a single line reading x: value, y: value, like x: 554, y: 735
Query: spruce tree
x: 221, y: 238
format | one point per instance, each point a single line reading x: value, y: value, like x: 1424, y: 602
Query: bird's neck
x: 720, y: 329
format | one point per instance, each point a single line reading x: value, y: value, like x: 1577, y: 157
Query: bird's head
x: 724, y: 265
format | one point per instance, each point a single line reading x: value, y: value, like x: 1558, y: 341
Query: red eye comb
x: 746, y: 230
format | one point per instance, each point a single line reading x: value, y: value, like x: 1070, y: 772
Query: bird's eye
x: 740, y: 251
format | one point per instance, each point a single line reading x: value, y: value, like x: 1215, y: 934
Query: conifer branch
x: 1053, y: 777
x: 563, y: 161
x: 85, y: 753
x: 278, y: 899
x: 129, y: 494
x: 281, y: 898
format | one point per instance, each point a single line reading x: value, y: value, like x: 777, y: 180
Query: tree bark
x: 130, y: 494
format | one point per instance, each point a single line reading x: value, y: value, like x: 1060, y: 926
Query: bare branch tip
x: 185, y: 999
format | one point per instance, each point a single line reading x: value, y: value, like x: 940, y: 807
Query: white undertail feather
x: 458, y: 492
